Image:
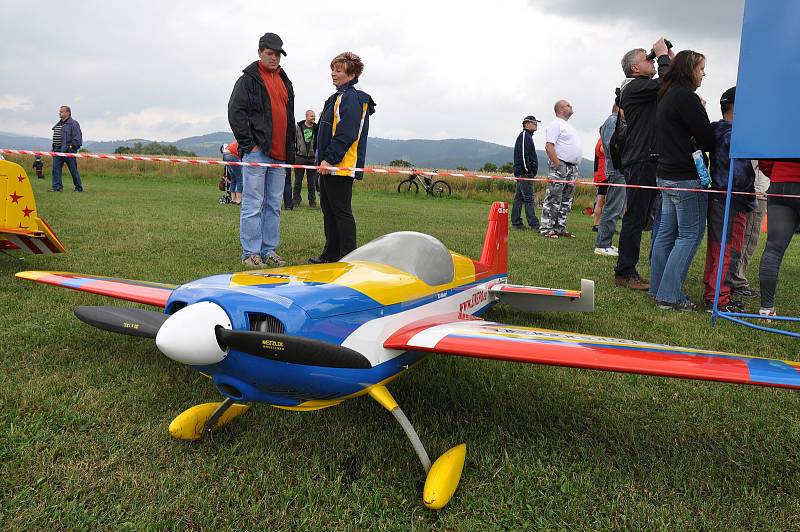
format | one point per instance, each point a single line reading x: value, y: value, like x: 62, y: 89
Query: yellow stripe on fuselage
x: 384, y: 284
x: 319, y: 404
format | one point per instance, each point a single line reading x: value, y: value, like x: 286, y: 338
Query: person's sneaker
x: 297, y: 204
x: 78, y: 190
x: 314, y: 206
x: 634, y: 282
x: 610, y: 251
x: 745, y: 291
x: 54, y: 190
x: 566, y: 234
x: 766, y: 312
x: 316, y: 260
x: 273, y: 260
x: 595, y: 228
x: 252, y: 261
x: 684, y: 306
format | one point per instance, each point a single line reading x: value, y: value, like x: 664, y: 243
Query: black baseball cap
x: 271, y: 41
x: 530, y: 118
x: 728, y: 96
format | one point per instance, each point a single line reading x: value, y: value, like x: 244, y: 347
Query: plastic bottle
x: 702, y: 171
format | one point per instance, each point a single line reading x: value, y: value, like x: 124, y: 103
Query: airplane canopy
x: 418, y: 254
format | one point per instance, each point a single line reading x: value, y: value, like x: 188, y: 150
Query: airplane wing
x: 484, y: 339
x: 155, y: 294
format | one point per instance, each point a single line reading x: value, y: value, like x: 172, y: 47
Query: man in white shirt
x: 563, y: 147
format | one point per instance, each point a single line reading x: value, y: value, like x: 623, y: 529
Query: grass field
x: 83, y: 425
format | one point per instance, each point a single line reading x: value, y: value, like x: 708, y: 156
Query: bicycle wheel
x: 440, y: 189
x: 408, y: 185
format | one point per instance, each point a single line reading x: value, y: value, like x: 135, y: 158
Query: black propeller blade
x: 130, y: 321
x: 293, y: 349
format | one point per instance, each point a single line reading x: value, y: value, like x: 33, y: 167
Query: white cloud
x: 462, y: 69
x: 10, y: 102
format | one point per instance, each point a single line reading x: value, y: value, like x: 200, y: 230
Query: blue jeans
x: 260, y: 219
x: 72, y: 165
x: 613, y: 209
x: 525, y: 196
x: 683, y: 221
x: 234, y: 172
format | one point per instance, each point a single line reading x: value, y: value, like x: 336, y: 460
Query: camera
x: 652, y: 54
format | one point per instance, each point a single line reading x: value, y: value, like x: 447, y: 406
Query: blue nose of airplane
x: 189, y: 336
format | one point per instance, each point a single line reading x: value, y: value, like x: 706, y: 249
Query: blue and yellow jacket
x: 343, y: 129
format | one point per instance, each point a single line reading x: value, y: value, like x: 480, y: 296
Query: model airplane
x: 20, y: 228
x: 310, y: 337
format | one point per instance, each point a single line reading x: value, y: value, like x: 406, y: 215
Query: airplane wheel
x: 409, y: 185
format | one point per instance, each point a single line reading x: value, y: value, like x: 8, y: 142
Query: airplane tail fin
x: 20, y: 227
x: 494, y: 257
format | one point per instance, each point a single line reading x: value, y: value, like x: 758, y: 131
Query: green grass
x: 84, y: 445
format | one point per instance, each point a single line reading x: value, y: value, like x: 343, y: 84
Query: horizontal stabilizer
x: 537, y: 299
x: 482, y: 339
x: 155, y: 294
x: 292, y: 349
x: 130, y: 321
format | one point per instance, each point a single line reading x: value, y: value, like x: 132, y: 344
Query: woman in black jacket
x: 342, y: 143
x: 682, y: 127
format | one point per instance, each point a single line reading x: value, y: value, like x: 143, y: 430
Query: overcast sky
x: 437, y: 69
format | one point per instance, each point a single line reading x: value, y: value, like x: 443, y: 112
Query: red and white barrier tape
x: 217, y: 162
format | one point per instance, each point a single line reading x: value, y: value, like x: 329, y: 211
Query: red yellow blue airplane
x: 310, y: 337
x: 20, y: 227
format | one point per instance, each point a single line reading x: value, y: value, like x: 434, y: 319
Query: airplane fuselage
x: 356, y: 305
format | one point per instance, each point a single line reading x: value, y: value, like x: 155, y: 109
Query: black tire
x: 440, y: 189
x: 408, y: 185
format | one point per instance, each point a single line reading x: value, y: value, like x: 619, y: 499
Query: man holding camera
x: 639, y: 101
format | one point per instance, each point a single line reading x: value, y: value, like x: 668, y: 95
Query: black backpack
x: 617, y: 144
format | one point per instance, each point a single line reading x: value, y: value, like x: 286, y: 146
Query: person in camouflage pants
x: 563, y: 149
x: 558, y: 199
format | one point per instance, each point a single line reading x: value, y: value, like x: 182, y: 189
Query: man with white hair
x: 564, y: 152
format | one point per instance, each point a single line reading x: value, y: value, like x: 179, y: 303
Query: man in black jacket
x: 306, y: 134
x: 261, y: 116
x: 639, y: 101
x: 526, y: 164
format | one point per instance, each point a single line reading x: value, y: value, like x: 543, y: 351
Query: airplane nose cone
x: 189, y: 337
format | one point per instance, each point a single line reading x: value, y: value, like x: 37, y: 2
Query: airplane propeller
x: 201, y: 334
x: 292, y: 349
x: 130, y: 321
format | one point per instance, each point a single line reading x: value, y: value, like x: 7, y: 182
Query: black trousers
x: 335, y: 195
x: 639, y: 203
x: 311, y: 176
x: 784, y: 217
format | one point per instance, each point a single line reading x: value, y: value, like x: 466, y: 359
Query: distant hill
x: 449, y: 153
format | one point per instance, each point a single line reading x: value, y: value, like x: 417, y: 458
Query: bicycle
x: 437, y: 189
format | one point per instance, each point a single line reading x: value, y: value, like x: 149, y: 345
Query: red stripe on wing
x: 626, y: 360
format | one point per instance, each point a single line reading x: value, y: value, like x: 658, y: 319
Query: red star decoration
x: 21, y: 178
x: 15, y: 198
x: 26, y: 212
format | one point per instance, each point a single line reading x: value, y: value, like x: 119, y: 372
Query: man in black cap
x: 526, y: 164
x: 743, y: 181
x: 261, y: 116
